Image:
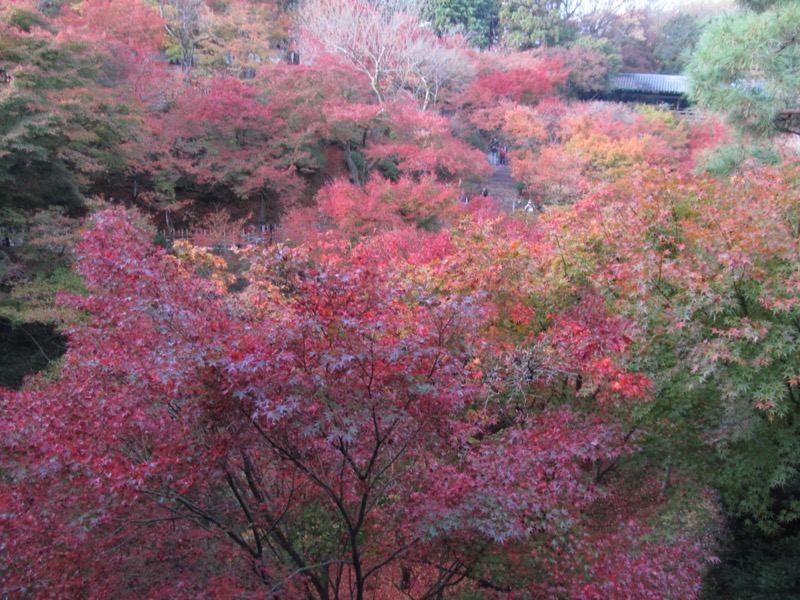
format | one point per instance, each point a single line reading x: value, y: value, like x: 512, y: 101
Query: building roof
x: 648, y: 82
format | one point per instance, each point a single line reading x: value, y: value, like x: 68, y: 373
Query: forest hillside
x: 392, y: 299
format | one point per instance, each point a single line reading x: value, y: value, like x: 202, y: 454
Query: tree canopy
x: 535, y: 23
x: 746, y: 66
x: 299, y: 343
x: 476, y: 19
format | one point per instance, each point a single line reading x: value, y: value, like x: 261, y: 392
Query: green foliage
x: 33, y: 272
x: 724, y: 344
x: 605, y: 47
x: 33, y: 300
x: 760, y: 6
x: 60, y: 127
x: 707, y: 268
x: 759, y: 477
x: 676, y: 42
x: 24, y: 19
x: 747, y: 66
x: 534, y: 23
x: 729, y: 159
x: 475, y: 18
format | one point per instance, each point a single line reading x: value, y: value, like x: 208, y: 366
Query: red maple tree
x: 325, y: 434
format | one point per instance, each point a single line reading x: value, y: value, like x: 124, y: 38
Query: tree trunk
x: 262, y: 209
x: 351, y: 165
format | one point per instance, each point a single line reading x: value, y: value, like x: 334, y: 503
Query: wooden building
x: 648, y: 88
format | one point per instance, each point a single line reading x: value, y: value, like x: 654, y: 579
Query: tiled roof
x: 648, y: 82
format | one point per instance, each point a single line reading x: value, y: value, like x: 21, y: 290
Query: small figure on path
x: 484, y: 192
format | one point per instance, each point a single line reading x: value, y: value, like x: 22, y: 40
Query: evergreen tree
x: 746, y: 65
x: 475, y: 18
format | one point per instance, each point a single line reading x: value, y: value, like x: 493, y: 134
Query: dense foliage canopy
x: 746, y: 65
x: 347, y: 383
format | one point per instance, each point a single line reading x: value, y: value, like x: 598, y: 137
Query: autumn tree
x: 560, y: 150
x: 522, y: 83
x: 373, y: 37
x: 187, y: 28
x: 590, y: 62
x: 421, y: 397
x: 721, y: 340
x: 322, y: 435
x: 421, y: 143
x: 509, y: 84
x: 350, y: 212
x: 245, y: 36
x: 248, y: 140
x: 436, y: 71
x: 596, y: 17
x: 70, y: 99
x: 63, y: 125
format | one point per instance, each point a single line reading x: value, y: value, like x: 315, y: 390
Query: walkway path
x: 503, y: 188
